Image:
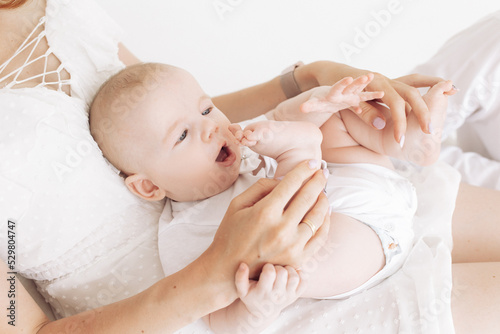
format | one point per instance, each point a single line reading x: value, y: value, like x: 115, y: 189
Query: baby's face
x: 187, y: 148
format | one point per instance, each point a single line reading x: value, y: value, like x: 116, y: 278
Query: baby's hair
x: 119, y: 97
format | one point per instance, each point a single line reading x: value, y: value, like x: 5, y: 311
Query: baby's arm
x: 347, y: 139
x: 289, y: 143
x: 260, y: 302
x: 291, y: 135
x: 318, y: 104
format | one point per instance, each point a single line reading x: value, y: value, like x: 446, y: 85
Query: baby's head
x: 156, y: 125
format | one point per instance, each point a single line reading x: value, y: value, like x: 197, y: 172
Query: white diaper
x: 382, y: 199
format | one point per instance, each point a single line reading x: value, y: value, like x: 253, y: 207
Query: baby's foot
x: 437, y: 98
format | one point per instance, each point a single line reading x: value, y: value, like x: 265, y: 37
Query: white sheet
x: 414, y: 300
x: 472, y: 60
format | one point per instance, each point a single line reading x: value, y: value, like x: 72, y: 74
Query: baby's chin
x: 219, y: 182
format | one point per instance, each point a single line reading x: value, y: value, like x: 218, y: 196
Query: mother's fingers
x: 320, y: 239
x: 305, y: 198
x: 371, y: 113
x: 293, y: 181
x: 396, y: 106
x: 316, y: 216
x: 419, y: 80
x: 253, y: 194
x: 408, y: 90
x: 417, y: 104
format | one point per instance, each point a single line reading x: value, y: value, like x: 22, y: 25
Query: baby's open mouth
x: 223, y: 154
x: 226, y: 156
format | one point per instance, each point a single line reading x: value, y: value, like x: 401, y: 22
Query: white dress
x: 80, y: 235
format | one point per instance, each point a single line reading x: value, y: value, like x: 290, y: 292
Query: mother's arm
x: 261, y: 225
x: 164, y: 307
x: 398, y: 95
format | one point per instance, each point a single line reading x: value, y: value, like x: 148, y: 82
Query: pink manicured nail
x: 326, y: 172
x: 379, y: 123
x: 431, y: 128
x: 313, y: 163
x: 402, y: 141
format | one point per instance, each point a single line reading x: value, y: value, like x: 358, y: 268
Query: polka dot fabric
x: 80, y: 234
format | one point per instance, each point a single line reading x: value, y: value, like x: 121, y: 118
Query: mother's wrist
x: 306, y: 77
x: 326, y: 72
x: 219, y: 274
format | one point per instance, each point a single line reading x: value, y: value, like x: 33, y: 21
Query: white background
x: 231, y: 44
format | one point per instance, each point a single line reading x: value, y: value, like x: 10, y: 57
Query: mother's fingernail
x: 313, y: 163
x: 379, y: 123
x: 431, y: 128
x: 326, y: 172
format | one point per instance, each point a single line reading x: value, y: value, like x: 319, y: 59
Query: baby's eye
x: 183, y: 136
x: 207, y: 111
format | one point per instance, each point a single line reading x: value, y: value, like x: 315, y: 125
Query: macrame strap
x: 33, y: 43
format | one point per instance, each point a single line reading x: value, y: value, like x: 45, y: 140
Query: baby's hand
x: 346, y: 93
x: 276, y: 288
x: 263, y: 133
x: 252, y: 134
x: 236, y: 131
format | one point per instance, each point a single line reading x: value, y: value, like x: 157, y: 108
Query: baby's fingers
x: 236, y: 131
x: 248, y: 143
x: 340, y: 86
x: 359, y: 84
x: 368, y: 96
x: 280, y: 283
x: 302, y: 283
x: 293, y: 280
x: 242, y: 280
x: 267, y: 278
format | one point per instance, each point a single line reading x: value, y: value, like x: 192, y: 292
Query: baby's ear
x: 144, y: 188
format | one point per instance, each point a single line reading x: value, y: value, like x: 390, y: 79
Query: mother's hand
x: 400, y: 95
x: 263, y: 224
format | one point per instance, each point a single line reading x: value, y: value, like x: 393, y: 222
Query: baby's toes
x: 441, y: 87
x: 438, y: 93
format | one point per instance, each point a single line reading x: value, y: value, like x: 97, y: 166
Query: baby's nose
x: 210, y: 128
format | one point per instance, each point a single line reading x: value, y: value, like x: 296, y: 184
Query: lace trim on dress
x: 34, y: 44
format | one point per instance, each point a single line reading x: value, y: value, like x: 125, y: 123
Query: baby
x: 156, y: 125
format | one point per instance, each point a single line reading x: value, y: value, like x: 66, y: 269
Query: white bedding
x: 414, y: 300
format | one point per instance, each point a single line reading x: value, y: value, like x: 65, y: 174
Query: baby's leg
x: 352, y: 254
x: 338, y: 146
x: 347, y: 139
x: 436, y: 99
